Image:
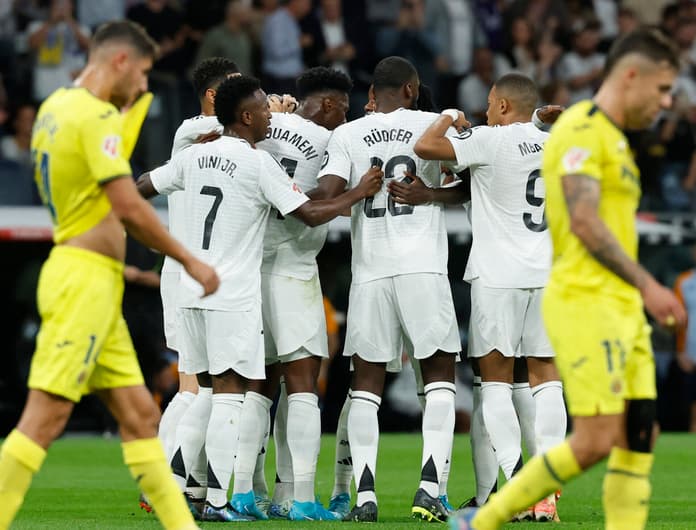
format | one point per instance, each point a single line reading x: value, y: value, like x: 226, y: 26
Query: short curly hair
x: 230, y: 94
x: 322, y: 79
x: 210, y: 72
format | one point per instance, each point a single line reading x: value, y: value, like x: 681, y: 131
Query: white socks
x: 438, y: 430
x: 482, y: 454
x: 503, y: 427
x: 251, y: 434
x: 304, y: 439
x: 526, y: 412
x: 170, y: 421
x: 283, y: 489
x: 190, y: 435
x: 551, y: 419
x: 363, y: 435
x: 221, y: 445
x: 259, y: 480
x: 343, y: 464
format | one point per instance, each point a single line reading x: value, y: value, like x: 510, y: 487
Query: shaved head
x: 519, y: 90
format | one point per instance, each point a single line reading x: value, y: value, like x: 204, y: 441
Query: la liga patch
x: 110, y: 146
x: 574, y: 158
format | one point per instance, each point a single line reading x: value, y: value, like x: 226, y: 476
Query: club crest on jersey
x: 574, y: 158
x: 465, y: 134
x: 110, y: 145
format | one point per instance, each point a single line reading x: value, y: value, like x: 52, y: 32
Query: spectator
x: 92, y: 14
x: 59, y: 44
x: 685, y: 289
x: 16, y: 147
x: 332, y: 44
x: 555, y: 93
x: 529, y: 58
x: 676, y: 174
x: 582, y: 67
x: 411, y: 39
x: 473, y: 91
x: 165, y: 25
x: 489, y: 15
x: 230, y: 39
x: 282, y: 44
x: 458, y: 33
x: 626, y: 21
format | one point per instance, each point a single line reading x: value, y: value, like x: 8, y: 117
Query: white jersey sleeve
x: 277, y: 187
x: 291, y: 247
x: 168, y: 178
x: 474, y: 146
x: 337, y: 158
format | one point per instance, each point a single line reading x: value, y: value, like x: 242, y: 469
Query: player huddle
x: 250, y: 193
x: 253, y: 222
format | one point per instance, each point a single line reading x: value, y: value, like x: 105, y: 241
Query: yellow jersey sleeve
x: 133, y: 120
x: 578, y: 150
x: 102, y: 141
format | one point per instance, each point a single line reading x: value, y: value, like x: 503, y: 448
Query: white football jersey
x: 185, y: 135
x: 290, y: 247
x: 511, y: 245
x: 229, y: 188
x: 389, y: 239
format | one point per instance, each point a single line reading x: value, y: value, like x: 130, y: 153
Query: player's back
x: 76, y: 145
x: 290, y: 246
x: 185, y: 136
x: 389, y: 239
x: 584, y: 141
x: 511, y: 246
x: 224, y: 215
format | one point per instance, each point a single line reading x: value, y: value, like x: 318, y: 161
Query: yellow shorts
x: 603, y: 351
x: 83, y: 344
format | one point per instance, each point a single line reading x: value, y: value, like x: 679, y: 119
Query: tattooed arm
x: 582, y: 198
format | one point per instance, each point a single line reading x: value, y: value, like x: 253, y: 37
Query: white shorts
x: 217, y: 341
x: 507, y: 320
x: 169, y: 283
x: 294, y: 322
x: 411, y: 312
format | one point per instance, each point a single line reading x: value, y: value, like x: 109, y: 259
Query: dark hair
x: 519, y: 88
x: 651, y: 43
x: 126, y: 32
x: 322, y: 79
x: 393, y: 72
x: 425, y: 99
x: 230, y: 94
x: 211, y: 72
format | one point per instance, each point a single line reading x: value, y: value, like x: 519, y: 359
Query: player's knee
x: 640, y: 424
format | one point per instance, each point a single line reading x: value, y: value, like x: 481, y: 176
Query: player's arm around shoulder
x: 433, y: 144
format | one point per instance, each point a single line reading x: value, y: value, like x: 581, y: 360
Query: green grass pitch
x: 84, y: 485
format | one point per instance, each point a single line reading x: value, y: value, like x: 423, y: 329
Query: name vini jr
x: 217, y: 162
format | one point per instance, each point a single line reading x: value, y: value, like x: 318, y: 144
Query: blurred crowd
x: 459, y: 47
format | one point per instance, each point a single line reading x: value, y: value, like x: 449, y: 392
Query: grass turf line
x: 84, y: 485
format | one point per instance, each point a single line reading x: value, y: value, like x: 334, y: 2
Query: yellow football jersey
x: 584, y: 141
x: 77, y: 145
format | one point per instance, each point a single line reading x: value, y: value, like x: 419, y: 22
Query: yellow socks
x: 148, y: 466
x: 626, y: 490
x: 20, y: 459
x: 541, y: 476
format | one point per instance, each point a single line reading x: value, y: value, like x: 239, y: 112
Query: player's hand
x: 131, y: 274
x: 207, y: 137
x: 371, y: 182
x: 285, y: 103
x: 203, y: 274
x: 410, y: 190
x: 663, y: 305
x: 461, y: 122
x: 550, y: 113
